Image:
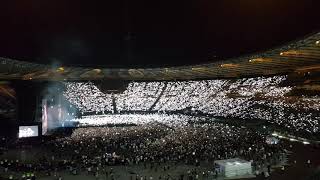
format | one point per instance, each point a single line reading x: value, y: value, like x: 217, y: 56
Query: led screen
x: 28, y: 131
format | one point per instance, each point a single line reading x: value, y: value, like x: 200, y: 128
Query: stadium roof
x: 300, y: 56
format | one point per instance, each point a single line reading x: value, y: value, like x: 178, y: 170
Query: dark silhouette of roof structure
x: 297, y: 57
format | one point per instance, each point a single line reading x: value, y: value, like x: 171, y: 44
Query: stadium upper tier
x: 299, y: 56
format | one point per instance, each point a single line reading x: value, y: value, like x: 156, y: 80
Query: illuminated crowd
x: 173, y: 120
x: 152, y: 145
x: 156, y: 142
x: 88, y: 97
x: 248, y: 98
x: 157, y: 146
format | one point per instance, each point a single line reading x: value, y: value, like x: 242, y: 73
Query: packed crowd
x: 87, y: 97
x: 172, y: 120
x: 248, y: 98
x: 141, y: 96
x: 156, y: 142
x: 151, y: 145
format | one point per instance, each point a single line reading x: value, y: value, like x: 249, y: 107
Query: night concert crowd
x: 154, y: 146
x: 262, y: 98
x: 171, y: 129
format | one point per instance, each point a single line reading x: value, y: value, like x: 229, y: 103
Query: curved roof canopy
x: 299, y: 56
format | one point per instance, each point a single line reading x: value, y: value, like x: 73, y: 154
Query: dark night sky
x: 149, y: 33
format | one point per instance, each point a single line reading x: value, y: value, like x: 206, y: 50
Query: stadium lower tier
x: 264, y: 98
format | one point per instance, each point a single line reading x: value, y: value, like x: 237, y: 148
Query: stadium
x: 80, y: 97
